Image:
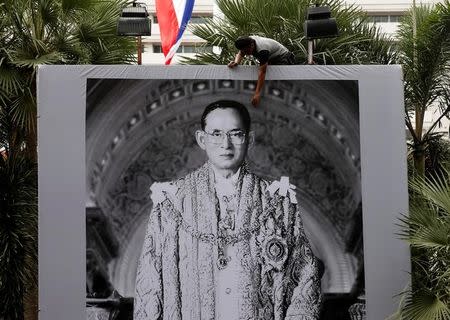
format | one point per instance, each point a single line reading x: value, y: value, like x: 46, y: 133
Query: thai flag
x: 173, y: 17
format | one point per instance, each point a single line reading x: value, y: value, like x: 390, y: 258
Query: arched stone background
x: 141, y: 131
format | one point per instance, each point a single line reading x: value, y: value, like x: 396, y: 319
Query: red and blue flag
x: 173, y: 17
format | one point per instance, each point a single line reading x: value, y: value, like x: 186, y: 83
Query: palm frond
x: 74, y: 6
x: 204, y: 58
x: 23, y: 60
x: 283, y: 21
x: 427, y: 229
x: 425, y: 306
x: 425, y: 56
x: 23, y: 111
x: 435, y: 189
x: 18, y: 232
x: 10, y: 80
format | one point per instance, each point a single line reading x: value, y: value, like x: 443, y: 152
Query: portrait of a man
x: 223, y: 243
x: 201, y: 206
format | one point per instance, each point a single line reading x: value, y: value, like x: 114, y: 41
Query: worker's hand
x: 255, y: 100
x: 232, y: 64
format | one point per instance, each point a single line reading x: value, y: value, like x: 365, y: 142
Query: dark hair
x: 243, y: 42
x: 227, y: 104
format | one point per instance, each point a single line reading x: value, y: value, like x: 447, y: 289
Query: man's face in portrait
x: 224, y: 139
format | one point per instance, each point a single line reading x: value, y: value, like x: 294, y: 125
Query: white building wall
x: 388, y: 8
x: 388, y: 5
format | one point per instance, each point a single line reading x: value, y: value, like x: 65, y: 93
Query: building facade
x: 152, y: 52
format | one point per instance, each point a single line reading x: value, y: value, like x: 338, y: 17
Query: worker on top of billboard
x: 266, y: 51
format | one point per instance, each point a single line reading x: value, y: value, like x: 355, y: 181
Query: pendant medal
x: 222, y: 262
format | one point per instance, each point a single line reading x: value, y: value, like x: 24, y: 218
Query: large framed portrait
x: 110, y: 136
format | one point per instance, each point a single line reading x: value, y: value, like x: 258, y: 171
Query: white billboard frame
x: 61, y: 154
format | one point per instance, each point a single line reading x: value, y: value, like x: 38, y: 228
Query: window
x: 395, y: 18
x: 384, y: 18
x: 377, y: 19
x: 186, y: 48
x: 203, y: 49
x: 195, y: 19
x: 157, y: 48
x: 199, y: 19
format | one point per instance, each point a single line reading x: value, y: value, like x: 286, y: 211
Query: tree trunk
x: 31, y: 304
x: 419, y: 159
x: 31, y: 142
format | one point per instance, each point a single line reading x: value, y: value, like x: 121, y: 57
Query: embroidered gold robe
x: 176, y: 271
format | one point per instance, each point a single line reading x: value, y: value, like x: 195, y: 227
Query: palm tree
x: 36, y: 32
x: 18, y: 232
x: 358, y: 42
x: 424, y: 53
x: 427, y: 229
x: 32, y: 33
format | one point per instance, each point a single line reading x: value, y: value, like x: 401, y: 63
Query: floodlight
x: 134, y: 21
x: 323, y: 28
x: 316, y: 13
x: 133, y: 27
x: 135, y: 11
x: 318, y: 24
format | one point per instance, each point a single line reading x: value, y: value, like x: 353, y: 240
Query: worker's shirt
x: 268, y: 50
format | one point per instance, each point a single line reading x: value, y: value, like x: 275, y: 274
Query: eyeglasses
x: 216, y: 137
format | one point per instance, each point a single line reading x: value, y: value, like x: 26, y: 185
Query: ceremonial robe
x: 175, y: 280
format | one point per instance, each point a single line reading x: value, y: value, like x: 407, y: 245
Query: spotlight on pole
x: 134, y: 21
x: 318, y: 24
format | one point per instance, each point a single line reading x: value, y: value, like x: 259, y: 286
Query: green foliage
x: 18, y: 220
x: 436, y: 152
x: 18, y: 233
x: 43, y: 32
x: 32, y: 33
x: 427, y: 229
x: 424, y: 56
x: 424, y: 52
x: 358, y: 42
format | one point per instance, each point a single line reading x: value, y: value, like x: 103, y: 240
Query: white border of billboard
x: 61, y: 154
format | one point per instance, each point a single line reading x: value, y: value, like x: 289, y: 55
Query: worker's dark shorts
x: 285, y: 59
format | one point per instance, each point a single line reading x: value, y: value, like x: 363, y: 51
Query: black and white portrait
x: 201, y: 206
